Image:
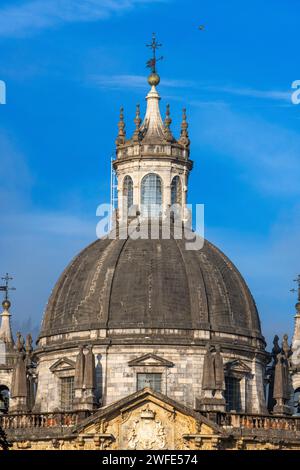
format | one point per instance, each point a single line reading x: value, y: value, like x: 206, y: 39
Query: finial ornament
x: 121, y: 125
x: 167, y: 123
x: 6, y: 303
x: 137, y: 122
x: 153, y: 78
x: 168, y: 120
x: 184, y: 135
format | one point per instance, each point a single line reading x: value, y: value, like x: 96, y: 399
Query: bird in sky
x: 202, y: 27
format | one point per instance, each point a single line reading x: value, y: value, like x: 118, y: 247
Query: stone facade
x: 147, y: 420
x: 117, y: 367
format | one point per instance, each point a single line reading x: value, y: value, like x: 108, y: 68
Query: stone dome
x: 151, y: 286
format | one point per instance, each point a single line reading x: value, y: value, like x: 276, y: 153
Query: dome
x: 151, y: 285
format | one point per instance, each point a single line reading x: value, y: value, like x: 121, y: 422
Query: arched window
x: 128, y: 190
x: 4, y: 399
x: 176, y: 191
x: 151, y: 194
x: 233, y: 394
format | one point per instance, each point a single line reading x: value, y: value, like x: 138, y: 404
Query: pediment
x: 63, y: 365
x: 237, y: 366
x: 150, y: 360
x: 127, y: 422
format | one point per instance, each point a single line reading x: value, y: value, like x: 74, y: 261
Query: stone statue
x: 213, y: 381
x: 79, y: 369
x: 208, y: 379
x: 286, y: 347
x: 19, y: 390
x: 89, y: 370
x: 219, y: 370
x: 20, y: 342
x: 28, y: 346
x: 281, y: 392
x: 276, y: 348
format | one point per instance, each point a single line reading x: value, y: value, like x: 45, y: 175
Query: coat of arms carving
x: 147, y: 432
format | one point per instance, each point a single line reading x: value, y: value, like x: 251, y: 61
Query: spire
x: 184, y: 135
x: 152, y: 128
x: 121, y: 125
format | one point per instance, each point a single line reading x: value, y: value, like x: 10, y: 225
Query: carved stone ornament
x: 147, y: 432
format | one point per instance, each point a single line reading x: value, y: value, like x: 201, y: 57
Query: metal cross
x: 297, y: 290
x: 151, y: 63
x: 6, y: 288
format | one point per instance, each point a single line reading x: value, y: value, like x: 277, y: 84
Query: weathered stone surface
x: 150, y: 284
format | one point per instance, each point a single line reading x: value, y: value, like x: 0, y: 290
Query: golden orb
x: 153, y: 79
x: 6, y: 304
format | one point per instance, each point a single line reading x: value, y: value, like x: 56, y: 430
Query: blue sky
x: 69, y: 65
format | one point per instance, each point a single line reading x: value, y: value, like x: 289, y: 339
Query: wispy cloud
x: 267, y: 154
x: 31, y: 16
x: 134, y: 81
x: 208, y: 92
x: 273, y: 95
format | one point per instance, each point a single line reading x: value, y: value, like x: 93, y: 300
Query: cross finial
x: 154, y: 45
x: 6, y: 287
x: 297, y: 290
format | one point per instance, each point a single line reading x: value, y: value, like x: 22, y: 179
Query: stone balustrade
x: 227, y: 420
x: 40, y: 420
x: 255, y: 422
